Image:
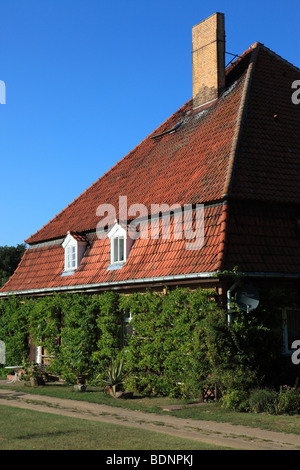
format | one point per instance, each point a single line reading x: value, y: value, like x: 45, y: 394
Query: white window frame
x: 118, y: 249
x: 287, y: 348
x: 127, y: 330
x: 77, y: 248
x: 37, y: 354
x: 116, y: 234
x: 71, y: 257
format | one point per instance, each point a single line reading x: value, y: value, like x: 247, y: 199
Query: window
x: 291, y: 328
x: 71, y: 257
x: 74, y: 246
x: 128, y: 330
x: 118, y: 249
x: 120, y: 245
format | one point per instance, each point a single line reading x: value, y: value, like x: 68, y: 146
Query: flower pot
x: 79, y: 388
x: 115, y: 393
x: 36, y: 380
x: 81, y: 379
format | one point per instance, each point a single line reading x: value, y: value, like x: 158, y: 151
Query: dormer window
x: 74, y: 246
x: 120, y: 245
x: 71, y: 255
x: 118, y: 254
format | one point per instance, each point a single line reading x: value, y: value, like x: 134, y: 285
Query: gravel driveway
x: 223, y: 434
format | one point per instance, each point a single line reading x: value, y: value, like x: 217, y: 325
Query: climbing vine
x: 14, y: 329
x: 176, y: 342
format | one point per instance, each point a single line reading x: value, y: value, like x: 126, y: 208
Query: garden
x: 177, y: 344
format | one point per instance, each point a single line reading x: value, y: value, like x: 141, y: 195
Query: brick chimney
x: 208, y: 59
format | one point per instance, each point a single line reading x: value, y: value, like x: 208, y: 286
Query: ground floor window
x: 37, y: 354
x: 128, y: 330
x: 291, y: 328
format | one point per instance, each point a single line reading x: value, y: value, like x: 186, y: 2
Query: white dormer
x: 120, y: 244
x: 74, y: 246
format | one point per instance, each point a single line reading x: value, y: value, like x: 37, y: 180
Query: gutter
x: 92, y: 287
x: 229, y: 291
x: 179, y: 277
x: 270, y: 275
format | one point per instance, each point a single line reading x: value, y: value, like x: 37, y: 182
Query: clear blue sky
x: 87, y: 80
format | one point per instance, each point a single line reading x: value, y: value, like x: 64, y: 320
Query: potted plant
x: 115, y: 377
x: 32, y: 374
x: 80, y: 368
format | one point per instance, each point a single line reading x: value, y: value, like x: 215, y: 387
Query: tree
x: 10, y: 257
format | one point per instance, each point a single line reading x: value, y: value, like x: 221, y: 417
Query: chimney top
x: 208, y: 59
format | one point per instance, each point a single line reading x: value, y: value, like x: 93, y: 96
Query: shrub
x: 14, y: 329
x: 45, y: 323
x: 78, y: 336
x: 166, y: 354
x: 236, y: 400
x: 110, y: 326
x: 288, y: 400
x: 263, y: 401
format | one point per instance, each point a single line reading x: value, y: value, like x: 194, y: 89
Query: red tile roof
x: 42, y: 267
x: 234, y: 156
x: 267, y: 161
x: 188, y: 166
x: 263, y: 238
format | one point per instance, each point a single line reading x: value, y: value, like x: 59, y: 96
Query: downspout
x: 229, y: 291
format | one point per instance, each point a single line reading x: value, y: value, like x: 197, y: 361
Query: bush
x: 78, y: 336
x: 236, y: 379
x: 14, y: 329
x: 288, y: 400
x: 236, y: 400
x: 178, y: 342
x: 263, y: 401
x: 110, y: 335
x: 166, y: 354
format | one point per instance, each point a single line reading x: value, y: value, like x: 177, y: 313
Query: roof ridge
x: 222, y: 237
x: 241, y: 117
x: 279, y: 57
x: 238, y: 59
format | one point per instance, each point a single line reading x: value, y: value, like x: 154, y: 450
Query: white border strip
x: 90, y: 287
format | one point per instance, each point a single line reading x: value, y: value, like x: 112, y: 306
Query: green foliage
x: 239, y: 353
x: 236, y: 400
x: 288, y: 400
x: 114, y: 375
x: 181, y: 340
x: 45, y: 323
x: 263, y: 401
x: 285, y: 401
x: 10, y: 257
x: 165, y: 355
x: 14, y: 329
x: 78, y: 336
x: 110, y: 324
x: 31, y: 373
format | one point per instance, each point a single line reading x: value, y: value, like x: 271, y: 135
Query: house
x: 231, y: 155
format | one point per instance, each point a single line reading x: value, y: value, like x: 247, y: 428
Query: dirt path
x: 223, y: 434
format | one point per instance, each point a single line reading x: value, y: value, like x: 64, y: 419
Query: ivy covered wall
x: 177, y: 342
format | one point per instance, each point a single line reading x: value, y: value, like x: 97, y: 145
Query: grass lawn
x: 33, y: 430
x: 210, y: 411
